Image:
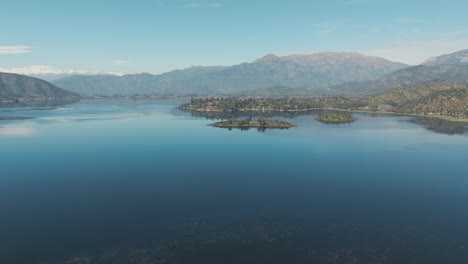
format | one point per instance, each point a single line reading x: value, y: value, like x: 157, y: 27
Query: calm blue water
x: 99, y: 181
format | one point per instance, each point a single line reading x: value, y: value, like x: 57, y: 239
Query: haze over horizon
x: 160, y: 36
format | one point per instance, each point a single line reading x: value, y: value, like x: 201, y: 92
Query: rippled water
x: 141, y: 182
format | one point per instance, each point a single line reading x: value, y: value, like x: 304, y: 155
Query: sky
x: 157, y: 36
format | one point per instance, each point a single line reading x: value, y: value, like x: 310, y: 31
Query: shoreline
x: 447, y: 118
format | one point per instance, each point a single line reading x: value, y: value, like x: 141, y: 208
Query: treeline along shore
x: 435, y: 99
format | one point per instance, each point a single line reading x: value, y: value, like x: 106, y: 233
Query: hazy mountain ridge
x: 457, y: 58
x: 321, y: 74
x: 143, y: 83
x: 405, y: 77
x: 347, y: 65
x: 20, y: 87
x: 297, y: 71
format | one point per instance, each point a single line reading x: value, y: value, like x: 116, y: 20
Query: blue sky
x: 160, y: 35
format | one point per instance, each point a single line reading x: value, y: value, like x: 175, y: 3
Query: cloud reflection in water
x: 16, y: 131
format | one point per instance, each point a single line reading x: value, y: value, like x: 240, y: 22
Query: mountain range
x: 130, y: 84
x: 321, y: 74
x: 311, y: 72
x: 15, y: 87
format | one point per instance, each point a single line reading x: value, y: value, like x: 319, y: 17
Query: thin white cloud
x: 324, y: 32
x: 47, y: 70
x: 159, y: 3
x: 328, y: 27
x: 417, y: 51
x: 405, y: 20
x: 362, y: 2
x: 375, y: 29
x: 327, y: 24
x: 12, y: 50
x: 203, y: 5
x: 120, y: 62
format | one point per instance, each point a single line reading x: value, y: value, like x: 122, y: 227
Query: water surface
x: 134, y: 181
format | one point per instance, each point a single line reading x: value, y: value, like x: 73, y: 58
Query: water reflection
x: 159, y: 189
x: 441, y: 126
x: 432, y: 124
x: 35, y: 105
x: 259, y: 129
x: 15, y: 117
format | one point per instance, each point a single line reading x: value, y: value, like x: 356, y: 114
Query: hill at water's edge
x: 402, y: 78
x: 15, y: 87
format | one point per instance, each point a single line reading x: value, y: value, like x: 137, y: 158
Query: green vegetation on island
x: 249, y: 123
x: 336, y: 118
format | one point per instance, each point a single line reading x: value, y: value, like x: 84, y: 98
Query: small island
x: 335, y: 118
x: 249, y: 123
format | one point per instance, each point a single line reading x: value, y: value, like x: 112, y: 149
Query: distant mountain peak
x: 267, y: 58
x: 326, y: 57
x: 410, y: 76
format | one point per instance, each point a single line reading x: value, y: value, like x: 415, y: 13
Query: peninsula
x: 438, y: 99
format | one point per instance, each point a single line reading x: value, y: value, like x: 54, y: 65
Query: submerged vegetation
x: 336, y: 118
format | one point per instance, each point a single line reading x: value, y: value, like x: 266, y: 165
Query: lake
x: 120, y: 181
